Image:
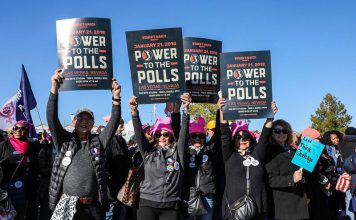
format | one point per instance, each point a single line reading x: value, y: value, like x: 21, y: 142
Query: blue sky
x: 312, y: 46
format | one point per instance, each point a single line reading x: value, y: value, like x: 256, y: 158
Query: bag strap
x: 13, y: 174
x: 198, y: 179
x: 248, y: 180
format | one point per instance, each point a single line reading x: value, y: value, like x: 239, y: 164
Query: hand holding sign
x: 133, y: 104
x: 274, y: 107
x: 298, y: 175
x: 186, y: 99
x: 57, y: 80
x: 221, y: 103
x: 116, y: 91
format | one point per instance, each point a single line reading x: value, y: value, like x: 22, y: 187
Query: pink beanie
x: 311, y: 133
x: 241, y: 126
x: 163, y: 124
x: 23, y: 123
x: 197, y: 126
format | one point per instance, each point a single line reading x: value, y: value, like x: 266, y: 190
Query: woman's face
x: 197, y: 139
x: 334, y: 139
x: 280, y: 135
x: 162, y: 137
x: 242, y: 140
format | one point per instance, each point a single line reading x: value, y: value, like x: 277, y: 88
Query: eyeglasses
x: 19, y: 128
x: 158, y: 135
x: 278, y: 131
x: 85, y: 119
x: 197, y: 135
x: 211, y: 129
x: 243, y: 137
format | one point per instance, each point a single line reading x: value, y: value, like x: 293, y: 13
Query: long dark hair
x: 326, y: 139
x: 286, y: 126
x: 252, y: 144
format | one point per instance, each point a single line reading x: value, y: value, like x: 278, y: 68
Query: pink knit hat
x: 23, y: 123
x: 197, y: 126
x: 311, y: 133
x: 163, y: 124
x: 241, y: 126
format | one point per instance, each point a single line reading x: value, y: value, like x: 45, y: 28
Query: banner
x: 308, y: 153
x: 156, y: 63
x: 8, y: 114
x: 246, y: 84
x: 202, y: 69
x: 19, y: 106
x: 84, y: 53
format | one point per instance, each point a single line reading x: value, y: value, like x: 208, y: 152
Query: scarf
x: 19, y: 145
x: 66, y: 208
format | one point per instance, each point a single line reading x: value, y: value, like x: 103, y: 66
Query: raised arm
x: 176, y: 117
x: 261, y: 147
x: 184, y: 130
x: 140, y: 137
x: 57, y: 131
x: 114, y: 121
x: 226, y: 136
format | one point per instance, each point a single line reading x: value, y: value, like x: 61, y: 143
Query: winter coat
x: 235, y: 171
x: 290, y: 199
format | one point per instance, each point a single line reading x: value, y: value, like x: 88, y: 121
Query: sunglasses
x: 158, y: 135
x: 278, y: 131
x: 211, y: 129
x: 19, y: 128
x: 243, y: 137
x: 90, y: 120
x: 197, y: 135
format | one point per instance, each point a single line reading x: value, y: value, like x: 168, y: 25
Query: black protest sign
x: 85, y: 53
x: 202, y: 69
x: 157, y: 66
x: 246, y: 84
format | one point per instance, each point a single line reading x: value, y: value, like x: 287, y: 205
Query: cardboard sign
x: 246, y: 84
x: 84, y: 53
x: 156, y: 63
x: 308, y: 153
x: 202, y: 69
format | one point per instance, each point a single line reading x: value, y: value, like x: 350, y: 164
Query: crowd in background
x: 78, y: 175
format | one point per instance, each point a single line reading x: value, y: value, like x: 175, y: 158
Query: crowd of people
x: 190, y: 169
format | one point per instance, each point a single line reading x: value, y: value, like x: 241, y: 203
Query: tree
x: 207, y: 111
x: 331, y: 115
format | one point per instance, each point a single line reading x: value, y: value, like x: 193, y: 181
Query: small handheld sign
x: 308, y: 153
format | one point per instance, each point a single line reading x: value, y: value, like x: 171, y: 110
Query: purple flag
x: 25, y: 102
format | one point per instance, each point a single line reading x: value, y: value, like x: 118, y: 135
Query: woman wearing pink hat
x: 244, y: 160
x: 199, y: 176
x: 160, y: 190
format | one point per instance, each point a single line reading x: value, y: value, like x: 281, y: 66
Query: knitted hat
x: 211, y: 124
x: 163, y: 124
x: 240, y: 126
x: 197, y: 126
x: 311, y: 133
x: 23, y: 123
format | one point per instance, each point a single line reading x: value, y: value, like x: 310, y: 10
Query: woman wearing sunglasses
x: 240, y: 151
x: 160, y: 190
x: 285, y: 179
x: 19, y: 169
x: 200, y: 169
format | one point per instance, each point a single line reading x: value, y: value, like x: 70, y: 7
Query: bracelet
x: 117, y: 100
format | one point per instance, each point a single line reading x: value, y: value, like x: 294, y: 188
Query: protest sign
x: 202, y: 69
x: 308, y: 153
x: 246, y: 84
x: 156, y: 63
x: 85, y: 53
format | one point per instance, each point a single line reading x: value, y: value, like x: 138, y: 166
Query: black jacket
x: 118, y: 163
x: 65, y: 141
x: 203, y: 161
x: 235, y: 171
x: 163, y: 169
x: 27, y: 172
x: 290, y: 199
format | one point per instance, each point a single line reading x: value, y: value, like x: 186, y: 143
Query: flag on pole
x: 19, y: 107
